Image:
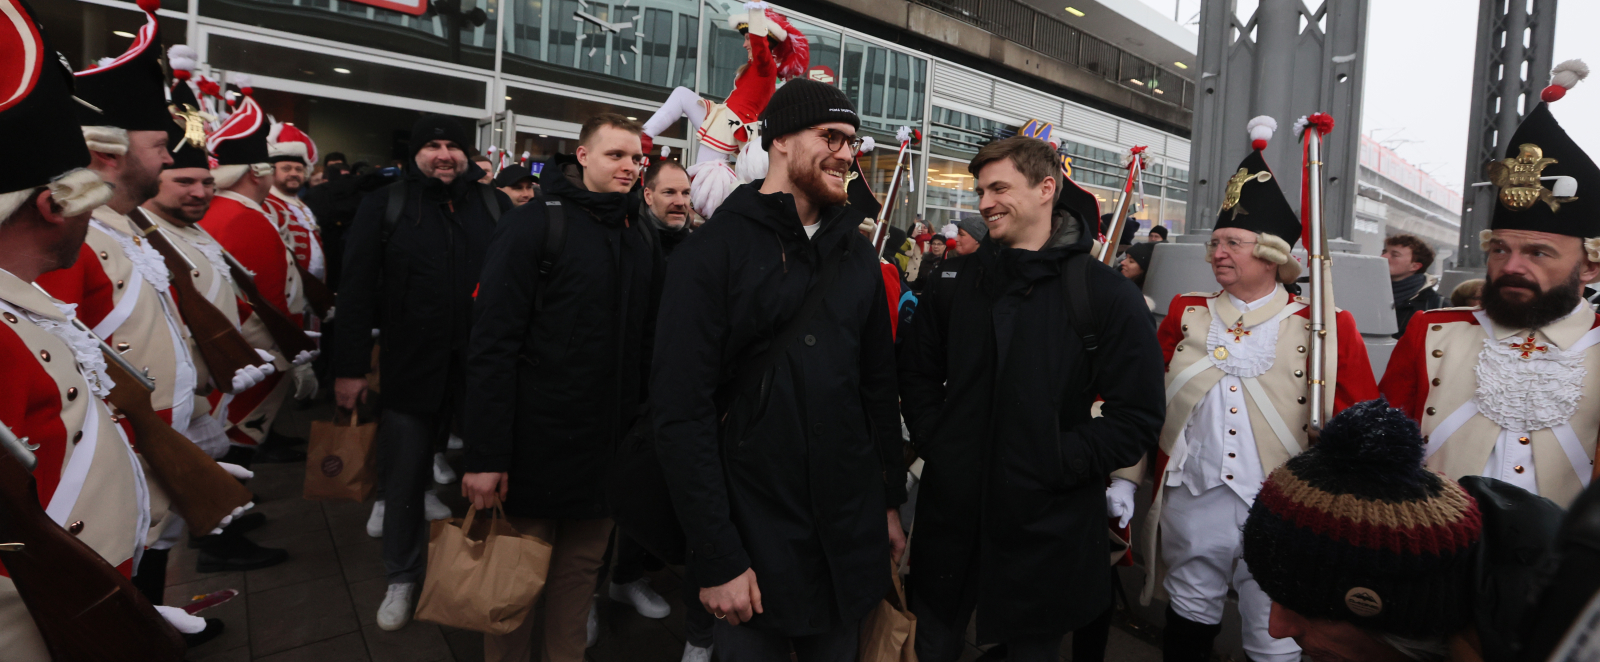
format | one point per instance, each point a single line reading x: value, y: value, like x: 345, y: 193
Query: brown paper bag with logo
x: 341, y: 460
x: 482, y: 576
x: 889, y: 632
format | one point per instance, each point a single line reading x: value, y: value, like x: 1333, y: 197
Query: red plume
x: 149, y: 5
x: 793, y: 54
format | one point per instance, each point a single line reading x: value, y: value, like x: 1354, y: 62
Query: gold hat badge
x: 1236, y: 187
x: 193, y: 123
x: 1519, y: 179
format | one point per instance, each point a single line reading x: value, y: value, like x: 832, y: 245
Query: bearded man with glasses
x: 775, y: 412
x: 1236, y: 409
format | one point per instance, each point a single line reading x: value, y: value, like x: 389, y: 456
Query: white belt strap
x: 123, y: 309
x: 1449, y: 426
x: 1574, y: 452
x: 77, y: 470
x: 1270, y: 412
x: 1187, y: 374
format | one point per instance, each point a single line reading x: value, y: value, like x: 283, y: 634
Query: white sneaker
x: 396, y: 609
x: 643, y: 598
x: 442, y: 473
x: 594, y: 625
x: 375, y: 522
x: 433, y: 508
x: 455, y: 443
x: 693, y: 653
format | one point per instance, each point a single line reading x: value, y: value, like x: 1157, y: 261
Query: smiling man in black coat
x: 786, y: 478
x: 555, y: 371
x: 997, y: 386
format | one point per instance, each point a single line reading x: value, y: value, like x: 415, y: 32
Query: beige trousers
x: 568, y: 593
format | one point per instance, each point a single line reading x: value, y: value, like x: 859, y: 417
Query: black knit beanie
x: 801, y: 104
x: 1356, y: 529
x: 1141, y: 254
x: 438, y: 127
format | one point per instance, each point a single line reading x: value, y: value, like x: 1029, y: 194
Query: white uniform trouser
x: 683, y: 102
x: 1202, y: 545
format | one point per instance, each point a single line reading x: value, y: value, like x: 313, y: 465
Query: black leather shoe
x: 233, y: 553
x: 240, y: 455
x: 214, y: 627
x: 245, y: 523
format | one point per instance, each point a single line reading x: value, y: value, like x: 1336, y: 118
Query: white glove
x: 306, y: 356
x: 313, y: 334
x: 329, y: 316
x: 236, y: 471
x: 867, y: 226
x: 247, y: 377
x: 181, y: 620
x: 269, y: 364
x: 758, y: 20
x: 1119, y: 501
x: 305, y: 381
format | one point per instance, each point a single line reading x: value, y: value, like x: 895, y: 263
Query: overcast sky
x: 1419, y: 76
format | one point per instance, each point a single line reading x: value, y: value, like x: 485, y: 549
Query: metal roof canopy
x: 1286, y: 61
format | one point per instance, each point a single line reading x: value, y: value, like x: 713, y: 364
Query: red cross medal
x: 1238, y: 331
x: 1527, y: 347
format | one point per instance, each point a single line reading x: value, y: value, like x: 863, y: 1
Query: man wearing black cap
x: 775, y: 416
x: 556, y: 366
x: 1236, y: 409
x: 518, y: 183
x: 1509, y: 391
x: 412, y: 259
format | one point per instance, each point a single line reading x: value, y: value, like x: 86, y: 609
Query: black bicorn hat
x: 1080, y: 203
x: 186, y: 133
x: 36, y: 107
x: 1546, y: 183
x: 242, y: 140
x: 129, y: 90
x: 1252, y: 199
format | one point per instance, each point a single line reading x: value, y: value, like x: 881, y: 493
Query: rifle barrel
x: 1317, y: 379
x: 18, y: 448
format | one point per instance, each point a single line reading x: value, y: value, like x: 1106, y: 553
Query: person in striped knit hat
x: 1367, y: 554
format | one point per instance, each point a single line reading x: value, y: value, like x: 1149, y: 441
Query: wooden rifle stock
x: 85, y: 610
x: 317, y: 293
x: 290, y: 338
x: 200, y: 489
x: 224, y: 349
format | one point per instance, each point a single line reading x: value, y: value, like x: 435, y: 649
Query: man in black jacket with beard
x: 997, y: 386
x: 786, y: 480
x: 557, y: 365
x: 412, y: 280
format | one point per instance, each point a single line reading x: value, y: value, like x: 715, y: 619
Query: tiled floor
x: 321, y: 604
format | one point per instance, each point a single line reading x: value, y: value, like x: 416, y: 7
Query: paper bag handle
x: 494, y: 521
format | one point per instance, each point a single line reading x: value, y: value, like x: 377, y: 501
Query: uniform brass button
x: 1436, y: 327
x: 1436, y: 381
x: 11, y: 318
x: 1233, y: 410
x: 1232, y: 431
x: 77, y: 437
x: 1518, y: 469
x: 195, y: 273
x: 1186, y: 327
x: 1228, y: 477
x: 44, y: 356
x: 1299, y: 373
x: 103, y: 256
x: 119, y: 284
x: 1233, y: 388
x: 1232, y: 455
x: 75, y: 528
x: 1190, y: 309
x: 1180, y: 348
x: 72, y: 393
x: 1522, y: 440
x: 1308, y: 326
x: 1301, y: 349
x: 122, y: 346
x: 1438, y: 353
x: 1432, y: 411
x: 1300, y: 400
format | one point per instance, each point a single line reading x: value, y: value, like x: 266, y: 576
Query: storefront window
x: 651, y: 41
x: 428, y: 36
x: 957, y: 133
x: 886, y: 86
x: 950, y: 185
x: 877, y: 168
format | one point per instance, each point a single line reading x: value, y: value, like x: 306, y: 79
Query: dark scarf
x: 1408, y: 287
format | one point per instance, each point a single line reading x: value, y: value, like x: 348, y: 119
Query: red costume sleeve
x: 753, y: 88
x: 84, y: 283
x: 891, y: 287
x: 30, y: 405
x: 1356, y: 383
x: 252, y: 238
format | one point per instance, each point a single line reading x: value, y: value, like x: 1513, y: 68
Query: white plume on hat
x: 1567, y: 74
x: 182, y: 58
x: 1261, y: 129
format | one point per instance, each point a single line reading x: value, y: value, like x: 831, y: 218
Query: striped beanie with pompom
x: 1356, y: 529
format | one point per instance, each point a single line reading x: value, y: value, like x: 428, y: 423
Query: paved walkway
x: 321, y: 604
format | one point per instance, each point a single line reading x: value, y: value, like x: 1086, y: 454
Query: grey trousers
x: 739, y: 643
x: 405, y: 454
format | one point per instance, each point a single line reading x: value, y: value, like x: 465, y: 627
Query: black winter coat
x: 793, y: 479
x: 551, y: 389
x: 1011, y: 512
x: 417, y: 290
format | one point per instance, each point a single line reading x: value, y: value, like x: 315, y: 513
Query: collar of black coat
x: 610, y: 208
x: 777, y: 212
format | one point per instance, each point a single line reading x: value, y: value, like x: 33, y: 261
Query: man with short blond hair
x: 555, y: 369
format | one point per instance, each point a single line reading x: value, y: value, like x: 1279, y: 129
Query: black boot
x: 1187, y: 641
x: 229, y: 552
x: 1089, y: 641
x: 214, y: 627
x: 151, y: 576
x: 239, y: 526
x: 243, y: 456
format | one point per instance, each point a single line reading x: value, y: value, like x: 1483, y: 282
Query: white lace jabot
x: 1250, y: 351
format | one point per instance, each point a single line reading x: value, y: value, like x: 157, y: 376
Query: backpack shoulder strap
x: 391, y: 211
x: 1075, y: 274
x: 490, y: 203
x: 555, y: 240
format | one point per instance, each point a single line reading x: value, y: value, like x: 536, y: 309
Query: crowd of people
x: 981, y: 408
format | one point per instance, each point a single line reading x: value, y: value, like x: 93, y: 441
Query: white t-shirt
x: 811, y: 230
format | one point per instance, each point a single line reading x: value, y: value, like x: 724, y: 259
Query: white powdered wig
x: 77, y: 192
x: 1274, y: 249
x: 106, y: 139
x: 228, y: 175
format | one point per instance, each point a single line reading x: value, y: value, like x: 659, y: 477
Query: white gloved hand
x: 329, y: 317
x: 268, y: 363
x: 306, y: 356
x: 305, y: 381
x: 236, y: 471
x: 867, y: 226
x: 1119, y: 501
x: 246, y: 377
x: 313, y: 334
x: 757, y: 19
x: 181, y: 620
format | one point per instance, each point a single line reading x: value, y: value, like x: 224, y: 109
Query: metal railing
x: 1034, y: 29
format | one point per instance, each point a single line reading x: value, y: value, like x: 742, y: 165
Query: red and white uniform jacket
x: 1520, y: 405
x: 87, y: 471
x: 1236, y: 396
x: 300, y: 232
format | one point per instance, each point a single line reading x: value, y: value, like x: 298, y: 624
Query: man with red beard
x: 775, y: 410
x: 1506, y: 391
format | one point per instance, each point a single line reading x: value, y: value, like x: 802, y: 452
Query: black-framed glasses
x: 837, y: 139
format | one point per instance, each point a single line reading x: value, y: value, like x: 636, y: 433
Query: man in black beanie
x: 411, y: 262
x: 775, y: 410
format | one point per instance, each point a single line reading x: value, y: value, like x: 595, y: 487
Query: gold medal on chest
x: 1220, y: 352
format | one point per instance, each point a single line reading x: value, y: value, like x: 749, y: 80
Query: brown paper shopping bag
x: 486, y: 583
x: 341, y: 460
x: 889, y: 632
